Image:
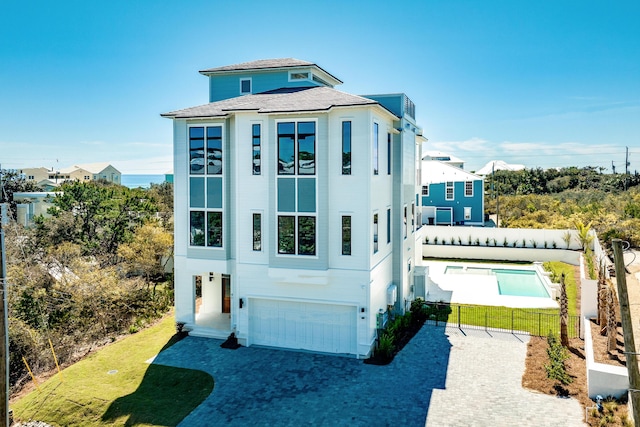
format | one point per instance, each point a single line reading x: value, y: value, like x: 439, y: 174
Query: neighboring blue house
x: 450, y: 195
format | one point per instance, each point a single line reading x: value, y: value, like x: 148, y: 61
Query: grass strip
x: 116, y: 386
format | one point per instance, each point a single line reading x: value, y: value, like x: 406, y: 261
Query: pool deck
x: 476, y: 289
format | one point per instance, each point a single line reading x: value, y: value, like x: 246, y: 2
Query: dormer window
x: 298, y: 75
x: 245, y: 86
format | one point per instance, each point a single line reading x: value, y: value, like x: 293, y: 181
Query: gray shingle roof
x: 266, y: 64
x: 261, y: 64
x: 278, y: 101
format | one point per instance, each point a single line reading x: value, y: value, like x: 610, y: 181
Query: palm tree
x: 564, y: 313
x: 584, y: 234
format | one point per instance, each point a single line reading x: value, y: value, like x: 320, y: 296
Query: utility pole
x: 627, y: 330
x: 626, y: 168
x: 613, y: 167
x: 4, y: 326
x: 4, y: 331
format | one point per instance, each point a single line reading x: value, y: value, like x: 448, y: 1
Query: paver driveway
x: 259, y: 386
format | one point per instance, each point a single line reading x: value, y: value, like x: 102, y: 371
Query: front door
x: 226, y: 294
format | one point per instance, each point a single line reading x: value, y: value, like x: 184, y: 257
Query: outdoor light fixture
x: 241, y: 302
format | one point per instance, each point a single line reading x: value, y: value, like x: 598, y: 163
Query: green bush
x: 557, y: 356
x: 385, y: 345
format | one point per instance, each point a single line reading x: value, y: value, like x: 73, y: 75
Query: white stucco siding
x: 347, y: 194
x: 380, y: 193
x: 180, y: 189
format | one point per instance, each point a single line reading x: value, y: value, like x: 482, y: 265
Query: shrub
x: 385, y: 345
x: 557, y: 356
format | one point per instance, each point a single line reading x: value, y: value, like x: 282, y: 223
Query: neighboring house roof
x: 266, y: 64
x: 94, y: 167
x: 434, y: 171
x: 498, y: 165
x: 276, y: 101
x: 441, y: 156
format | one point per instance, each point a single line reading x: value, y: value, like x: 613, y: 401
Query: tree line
x: 561, y: 198
x: 90, y: 270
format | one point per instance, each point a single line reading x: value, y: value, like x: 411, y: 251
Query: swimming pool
x: 511, y: 281
x: 493, y: 284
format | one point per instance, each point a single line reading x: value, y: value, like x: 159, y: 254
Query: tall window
x: 255, y: 142
x: 405, y: 222
x: 205, y: 186
x: 388, y: 154
x: 257, y: 232
x: 388, y: 226
x: 413, y: 217
x: 296, y: 187
x: 375, y: 233
x: 375, y: 149
x: 346, y: 148
x: 449, y: 190
x: 425, y: 190
x: 296, y: 148
x: 346, y: 235
x: 468, y: 188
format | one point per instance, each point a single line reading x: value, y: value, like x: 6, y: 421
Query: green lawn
x: 116, y: 386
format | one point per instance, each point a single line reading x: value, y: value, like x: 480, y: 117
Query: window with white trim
x: 425, y: 190
x: 257, y: 231
x: 346, y: 235
x: 405, y: 221
x: 375, y: 233
x: 468, y: 188
x: 256, y: 148
x: 296, y: 186
x: 245, y: 86
x: 346, y: 148
x: 205, y: 186
x: 375, y: 149
x: 449, y: 191
x: 467, y: 214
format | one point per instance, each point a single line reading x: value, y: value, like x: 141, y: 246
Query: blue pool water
x: 514, y: 282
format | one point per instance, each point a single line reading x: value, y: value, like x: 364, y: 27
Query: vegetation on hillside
x: 557, y: 199
x: 90, y: 271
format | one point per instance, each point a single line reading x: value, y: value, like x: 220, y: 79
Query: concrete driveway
x: 442, y: 377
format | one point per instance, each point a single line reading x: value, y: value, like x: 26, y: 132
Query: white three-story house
x: 296, y: 208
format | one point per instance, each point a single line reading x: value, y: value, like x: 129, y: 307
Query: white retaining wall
x: 530, y: 236
x: 602, y: 379
x: 500, y: 253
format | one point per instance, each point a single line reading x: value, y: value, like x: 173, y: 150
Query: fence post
x: 458, y: 317
x: 485, y: 320
x: 539, y: 314
x: 512, y: 321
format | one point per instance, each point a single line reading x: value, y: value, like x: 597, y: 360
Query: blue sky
x: 544, y: 83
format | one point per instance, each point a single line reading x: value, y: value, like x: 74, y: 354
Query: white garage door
x: 299, y: 325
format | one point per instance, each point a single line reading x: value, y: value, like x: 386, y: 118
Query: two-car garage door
x: 301, y: 325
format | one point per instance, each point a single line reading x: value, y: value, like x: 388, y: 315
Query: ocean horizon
x: 140, y: 180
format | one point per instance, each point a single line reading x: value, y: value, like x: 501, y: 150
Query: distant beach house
x: 50, y: 178
x: 296, y: 208
x: 450, y: 195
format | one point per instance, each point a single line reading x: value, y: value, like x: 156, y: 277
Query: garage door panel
x: 302, y: 325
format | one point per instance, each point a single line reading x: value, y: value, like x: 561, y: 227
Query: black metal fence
x: 537, y: 322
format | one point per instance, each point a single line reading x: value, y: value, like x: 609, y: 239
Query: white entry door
x: 300, y: 325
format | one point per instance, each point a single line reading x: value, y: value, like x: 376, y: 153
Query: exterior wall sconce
x: 241, y: 302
